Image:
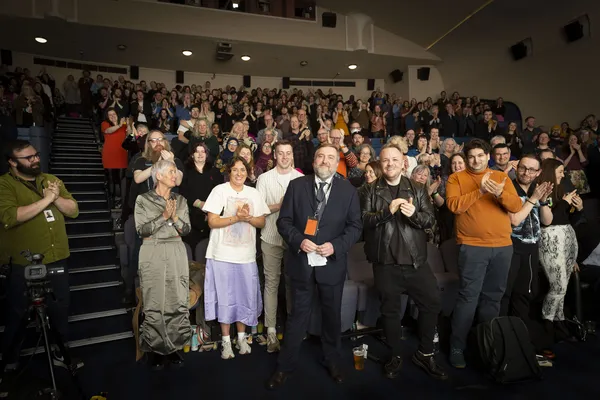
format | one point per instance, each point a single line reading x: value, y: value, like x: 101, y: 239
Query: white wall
x: 420, y: 90
x: 218, y: 81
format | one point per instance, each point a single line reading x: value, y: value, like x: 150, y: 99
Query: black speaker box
x: 423, y: 74
x: 286, y: 82
x: 134, y: 72
x: 6, y: 57
x: 179, y: 77
x: 396, y: 75
x: 247, y: 81
x: 329, y: 19
x: 518, y: 51
x: 370, y: 84
x: 573, y: 31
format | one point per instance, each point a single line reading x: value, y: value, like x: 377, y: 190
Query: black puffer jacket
x: 379, y: 223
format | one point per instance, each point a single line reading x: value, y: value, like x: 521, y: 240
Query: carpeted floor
x: 111, y: 368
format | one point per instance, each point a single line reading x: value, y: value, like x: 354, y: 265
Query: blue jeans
x: 483, y: 275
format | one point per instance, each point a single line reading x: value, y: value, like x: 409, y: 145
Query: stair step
x: 89, y: 225
x: 96, y: 163
x: 96, y: 297
x: 82, y: 196
x: 83, y: 240
x: 81, y: 169
x: 97, y: 255
x: 74, y: 140
x: 74, y: 155
x: 81, y: 178
x: 94, y: 214
x: 90, y: 205
x: 83, y: 186
x: 95, y: 268
x: 82, y: 145
x: 82, y: 342
x: 67, y: 148
x: 69, y: 135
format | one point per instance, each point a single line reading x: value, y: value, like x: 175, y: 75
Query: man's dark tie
x: 320, y: 200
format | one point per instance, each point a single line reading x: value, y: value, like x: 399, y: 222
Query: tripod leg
x: 58, y: 341
x: 42, y: 321
x: 17, y: 341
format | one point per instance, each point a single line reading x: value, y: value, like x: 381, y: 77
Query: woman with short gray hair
x: 161, y: 218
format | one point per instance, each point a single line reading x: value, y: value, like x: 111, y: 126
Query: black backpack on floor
x: 506, y: 351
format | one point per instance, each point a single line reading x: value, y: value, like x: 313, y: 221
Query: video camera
x: 37, y: 274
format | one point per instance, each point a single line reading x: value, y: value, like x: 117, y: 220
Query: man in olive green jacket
x: 32, y: 210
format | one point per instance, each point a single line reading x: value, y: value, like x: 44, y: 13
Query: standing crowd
x: 293, y: 177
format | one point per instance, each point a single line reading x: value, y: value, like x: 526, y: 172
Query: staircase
x: 96, y: 312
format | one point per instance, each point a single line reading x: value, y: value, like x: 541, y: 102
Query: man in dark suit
x: 449, y: 122
x: 319, y: 221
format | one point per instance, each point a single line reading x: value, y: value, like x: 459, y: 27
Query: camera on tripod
x: 37, y: 274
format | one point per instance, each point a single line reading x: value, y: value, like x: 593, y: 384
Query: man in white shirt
x: 272, y: 186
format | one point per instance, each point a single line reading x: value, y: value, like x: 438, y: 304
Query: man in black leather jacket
x: 395, y: 212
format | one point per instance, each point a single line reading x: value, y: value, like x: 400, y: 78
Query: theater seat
x: 349, y: 301
x: 447, y: 281
x: 200, y: 251
x: 188, y: 249
x: 126, y: 248
x: 361, y: 271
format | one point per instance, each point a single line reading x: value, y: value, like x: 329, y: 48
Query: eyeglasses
x: 30, y: 158
x: 335, y: 138
x: 156, y: 140
x: 529, y: 171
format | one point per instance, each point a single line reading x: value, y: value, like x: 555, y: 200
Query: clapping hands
x: 243, y: 213
x: 490, y: 186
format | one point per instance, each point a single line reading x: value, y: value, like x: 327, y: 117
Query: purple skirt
x: 232, y: 292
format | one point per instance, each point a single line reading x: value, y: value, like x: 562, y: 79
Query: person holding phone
x: 558, y: 243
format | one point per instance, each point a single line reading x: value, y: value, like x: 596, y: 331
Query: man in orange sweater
x: 481, y: 199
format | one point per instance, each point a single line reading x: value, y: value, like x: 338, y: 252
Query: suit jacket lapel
x: 310, y: 192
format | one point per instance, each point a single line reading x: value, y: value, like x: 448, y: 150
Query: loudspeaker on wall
x: 370, y: 84
x: 285, y: 83
x: 423, y: 74
x: 247, y: 81
x: 134, y: 72
x: 179, y: 77
x: 6, y: 57
x: 329, y: 19
x: 396, y: 75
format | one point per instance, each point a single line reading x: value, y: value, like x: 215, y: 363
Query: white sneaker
x: 244, y: 347
x: 273, y: 345
x: 226, y: 351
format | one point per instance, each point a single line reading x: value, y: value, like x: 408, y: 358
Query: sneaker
x: 457, y: 358
x: 244, y: 347
x: 273, y: 345
x: 59, y: 361
x: 226, y: 351
x: 543, y: 361
x: 392, y: 367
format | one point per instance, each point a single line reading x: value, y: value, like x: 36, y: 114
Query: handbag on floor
x: 506, y: 350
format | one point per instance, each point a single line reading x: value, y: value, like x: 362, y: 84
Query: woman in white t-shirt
x: 231, y: 285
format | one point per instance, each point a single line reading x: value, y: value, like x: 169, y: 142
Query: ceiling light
x: 41, y: 40
x: 186, y: 53
x: 352, y: 66
x: 235, y: 4
x: 122, y: 47
x: 245, y: 58
x: 303, y: 63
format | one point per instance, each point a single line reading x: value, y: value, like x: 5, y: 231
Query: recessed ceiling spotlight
x: 41, y: 40
x: 352, y: 66
x: 235, y: 4
x: 122, y: 47
x: 245, y: 58
x: 303, y: 63
x: 186, y: 53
